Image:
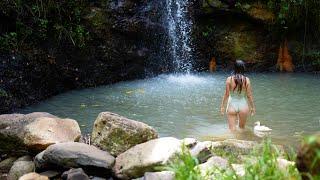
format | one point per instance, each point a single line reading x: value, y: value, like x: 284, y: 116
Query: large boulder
x: 146, y: 157
x: 117, y: 134
x: 21, y: 166
x: 35, y: 131
x: 45, y: 131
x: 73, y: 154
x: 12, y: 130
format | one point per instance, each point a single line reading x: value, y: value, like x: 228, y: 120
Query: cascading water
x: 180, y: 27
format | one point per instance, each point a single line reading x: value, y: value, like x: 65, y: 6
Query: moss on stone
x: 10, y: 143
x: 3, y: 93
x: 97, y: 18
x: 245, y: 46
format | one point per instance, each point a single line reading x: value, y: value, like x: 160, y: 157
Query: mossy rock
x: 97, y: 18
x: 257, y: 11
x: 116, y: 134
x: 3, y: 93
x: 240, y: 44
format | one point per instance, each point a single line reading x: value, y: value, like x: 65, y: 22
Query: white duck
x: 261, y: 131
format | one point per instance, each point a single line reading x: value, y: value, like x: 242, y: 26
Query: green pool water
x: 188, y: 105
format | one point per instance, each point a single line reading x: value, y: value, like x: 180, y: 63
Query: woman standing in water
x: 239, y: 95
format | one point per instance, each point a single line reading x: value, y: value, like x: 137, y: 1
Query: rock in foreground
x: 21, y: 166
x: 72, y: 154
x: 35, y: 131
x: 116, y: 134
x: 163, y: 175
x: 75, y: 174
x: 12, y: 130
x: 146, y: 157
x: 33, y: 176
x: 45, y: 131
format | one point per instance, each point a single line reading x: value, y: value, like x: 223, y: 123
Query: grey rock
x: 213, y: 162
x: 50, y: 174
x: 44, y: 131
x: 98, y: 178
x: 35, y: 131
x: 146, y: 157
x: 163, y: 175
x: 202, y: 151
x: 24, y: 158
x: 238, y: 169
x: 12, y: 130
x: 190, y: 142
x: 75, y: 174
x: 39, y: 162
x: 20, y: 168
x: 234, y: 146
x: 73, y: 154
x: 116, y: 134
x: 6, y: 164
x: 33, y: 176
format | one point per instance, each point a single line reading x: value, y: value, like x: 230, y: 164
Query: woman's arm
x: 250, y: 97
x: 225, y: 96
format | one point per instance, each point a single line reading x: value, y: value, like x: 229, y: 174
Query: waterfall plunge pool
x: 187, y: 105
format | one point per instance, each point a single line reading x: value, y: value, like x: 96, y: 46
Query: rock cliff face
x: 226, y: 32
x: 126, y: 38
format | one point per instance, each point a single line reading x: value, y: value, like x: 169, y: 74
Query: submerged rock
x: 21, y: 166
x: 33, y: 176
x: 116, y: 134
x: 73, y: 154
x: 146, y: 157
x: 35, y: 131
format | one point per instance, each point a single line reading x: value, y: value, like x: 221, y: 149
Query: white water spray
x: 180, y: 27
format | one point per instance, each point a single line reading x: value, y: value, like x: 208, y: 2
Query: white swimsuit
x: 237, y: 101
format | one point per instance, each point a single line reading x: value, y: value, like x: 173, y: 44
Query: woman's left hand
x: 253, y: 111
x: 222, y: 111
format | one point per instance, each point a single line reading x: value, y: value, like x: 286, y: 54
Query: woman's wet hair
x: 239, y: 78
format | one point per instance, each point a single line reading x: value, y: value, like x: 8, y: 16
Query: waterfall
x: 179, y: 28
